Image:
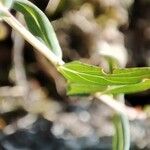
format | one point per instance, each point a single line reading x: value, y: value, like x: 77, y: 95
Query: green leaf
x: 78, y: 88
x: 118, y: 139
x: 83, y: 79
x: 133, y: 88
x: 144, y: 71
x: 82, y: 73
x: 121, y: 139
x: 38, y: 24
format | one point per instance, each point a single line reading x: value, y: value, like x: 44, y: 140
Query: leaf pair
x: 85, y: 79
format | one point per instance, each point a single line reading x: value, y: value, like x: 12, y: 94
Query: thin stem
x: 122, y: 136
x: 18, y: 60
x: 111, y: 102
x: 126, y: 130
x: 16, y: 25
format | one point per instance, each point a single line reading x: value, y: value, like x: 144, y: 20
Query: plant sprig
x: 31, y: 37
x: 80, y: 76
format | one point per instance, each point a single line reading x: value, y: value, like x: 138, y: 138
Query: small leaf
x: 84, y: 74
x: 144, y: 71
x: 83, y: 79
x: 133, y: 88
x: 38, y: 24
x: 121, y: 139
x: 84, y: 68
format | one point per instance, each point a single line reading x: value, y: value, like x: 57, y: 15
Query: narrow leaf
x: 84, y: 68
x: 83, y: 79
x: 121, y: 139
x: 144, y: 71
x: 133, y: 88
x: 38, y: 24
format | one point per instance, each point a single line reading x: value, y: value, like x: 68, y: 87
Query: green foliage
x: 83, y: 79
x: 38, y: 24
x: 118, y: 139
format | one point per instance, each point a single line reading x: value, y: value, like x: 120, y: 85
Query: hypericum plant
x: 80, y: 76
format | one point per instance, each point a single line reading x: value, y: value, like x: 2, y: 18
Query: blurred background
x: 36, y: 113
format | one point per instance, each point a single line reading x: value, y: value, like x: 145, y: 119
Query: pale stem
x: 120, y: 107
x: 16, y: 25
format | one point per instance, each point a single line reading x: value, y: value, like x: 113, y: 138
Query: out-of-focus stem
x: 18, y: 61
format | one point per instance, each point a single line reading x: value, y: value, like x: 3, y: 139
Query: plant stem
x: 126, y: 130
x: 121, y: 139
x: 16, y: 25
x: 111, y: 102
